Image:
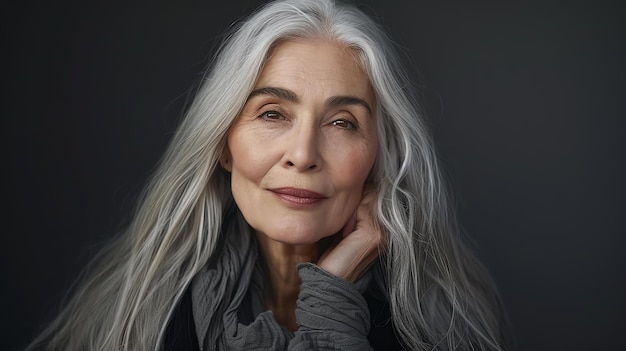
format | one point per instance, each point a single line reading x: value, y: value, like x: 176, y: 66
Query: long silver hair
x: 440, y: 296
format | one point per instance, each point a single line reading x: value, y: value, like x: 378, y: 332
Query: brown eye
x: 271, y: 116
x: 342, y: 123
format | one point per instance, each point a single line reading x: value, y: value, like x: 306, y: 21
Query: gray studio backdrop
x: 526, y: 100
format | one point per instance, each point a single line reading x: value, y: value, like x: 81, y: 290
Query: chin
x: 298, y: 236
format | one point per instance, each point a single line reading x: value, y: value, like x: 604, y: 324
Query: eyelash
x: 265, y: 116
x: 350, y: 125
x: 278, y: 116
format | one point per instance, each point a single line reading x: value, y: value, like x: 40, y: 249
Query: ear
x: 226, y: 161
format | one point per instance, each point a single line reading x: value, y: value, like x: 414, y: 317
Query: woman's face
x: 303, y: 145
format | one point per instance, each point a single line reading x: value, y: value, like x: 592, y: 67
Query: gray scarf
x: 218, y: 293
x: 229, y: 313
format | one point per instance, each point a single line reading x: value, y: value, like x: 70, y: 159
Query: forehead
x: 315, y: 62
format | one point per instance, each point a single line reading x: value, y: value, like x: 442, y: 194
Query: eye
x: 271, y: 116
x: 344, y: 124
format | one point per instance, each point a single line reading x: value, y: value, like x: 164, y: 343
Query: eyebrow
x: 280, y: 93
x: 348, y: 100
x: 332, y: 101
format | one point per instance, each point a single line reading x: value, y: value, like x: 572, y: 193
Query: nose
x: 303, y: 149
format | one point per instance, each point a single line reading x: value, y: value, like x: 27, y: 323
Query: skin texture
x: 309, y: 125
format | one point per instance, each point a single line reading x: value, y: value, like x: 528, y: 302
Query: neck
x: 281, y: 263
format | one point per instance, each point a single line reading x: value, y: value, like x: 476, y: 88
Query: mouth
x: 298, y: 197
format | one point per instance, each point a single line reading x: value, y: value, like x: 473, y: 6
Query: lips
x: 298, y: 197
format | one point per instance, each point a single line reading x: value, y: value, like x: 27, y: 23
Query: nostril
x: 310, y: 167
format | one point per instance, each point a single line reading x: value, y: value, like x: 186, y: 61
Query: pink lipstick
x: 298, y: 197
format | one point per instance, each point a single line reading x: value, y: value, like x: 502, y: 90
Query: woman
x: 299, y: 206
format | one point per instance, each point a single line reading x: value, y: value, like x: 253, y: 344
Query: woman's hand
x: 359, y: 243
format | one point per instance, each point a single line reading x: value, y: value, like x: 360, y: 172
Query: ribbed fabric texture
x: 331, y: 313
x: 227, y: 302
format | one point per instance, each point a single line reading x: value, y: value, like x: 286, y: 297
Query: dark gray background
x: 527, y: 102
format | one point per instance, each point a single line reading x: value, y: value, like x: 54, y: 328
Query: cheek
x: 353, y: 170
x: 243, y: 170
x: 247, y: 172
x: 246, y: 155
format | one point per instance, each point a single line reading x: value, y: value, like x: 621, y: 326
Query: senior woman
x: 299, y: 206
